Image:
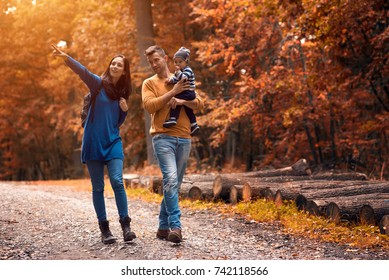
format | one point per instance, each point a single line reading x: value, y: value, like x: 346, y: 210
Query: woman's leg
x: 96, y: 172
x: 115, y: 173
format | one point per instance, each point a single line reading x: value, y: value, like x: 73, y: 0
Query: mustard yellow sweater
x: 152, y: 89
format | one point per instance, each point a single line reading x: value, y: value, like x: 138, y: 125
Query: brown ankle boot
x: 163, y: 233
x: 175, y: 235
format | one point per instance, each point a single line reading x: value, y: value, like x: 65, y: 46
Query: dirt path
x: 55, y: 223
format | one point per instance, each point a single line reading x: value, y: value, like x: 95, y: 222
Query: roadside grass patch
x: 293, y: 221
x: 317, y: 227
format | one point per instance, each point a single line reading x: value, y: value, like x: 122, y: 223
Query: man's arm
x: 195, y: 104
x: 153, y: 104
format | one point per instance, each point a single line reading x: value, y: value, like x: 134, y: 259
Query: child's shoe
x: 194, y: 129
x: 170, y: 122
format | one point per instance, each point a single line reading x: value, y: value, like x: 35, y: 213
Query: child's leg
x: 194, y: 128
x: 190, y: 114
x: 186, y: 95
x: 174, y: 114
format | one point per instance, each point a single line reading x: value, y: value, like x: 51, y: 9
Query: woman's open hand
x: 58, y: 52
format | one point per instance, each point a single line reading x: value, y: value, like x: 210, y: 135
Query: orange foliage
x: 282, y: 80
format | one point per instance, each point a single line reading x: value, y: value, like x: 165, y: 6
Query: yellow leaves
x: 309, y: 44
x: 322, y: 96
x: 370, y: 125
x: 291, y: 115
x: 243, y: 89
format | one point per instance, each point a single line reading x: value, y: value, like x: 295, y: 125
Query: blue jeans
x: 115, y: 173
x: 172, y: 154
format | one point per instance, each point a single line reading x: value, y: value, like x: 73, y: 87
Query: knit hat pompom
x: 183, y: 53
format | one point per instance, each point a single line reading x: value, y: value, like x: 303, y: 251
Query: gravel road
x: 40, y: 222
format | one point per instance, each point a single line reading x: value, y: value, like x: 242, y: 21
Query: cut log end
x: 384, y: 225
x: 301, y: 202
x: 367, y: 216
x: 267, y: 194
x: 217, y: 186
x: 333, y: 212
x: 195, y: 193
x: 301, y: 167
x: 278, y: 200
x: 312, y: 208
x: 246, y: 192
x: 234, y: 195
x: 129, y: 180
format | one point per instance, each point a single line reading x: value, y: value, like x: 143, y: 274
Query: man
x: 171, y: 145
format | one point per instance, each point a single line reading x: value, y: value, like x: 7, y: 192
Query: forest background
x: 282, y: 80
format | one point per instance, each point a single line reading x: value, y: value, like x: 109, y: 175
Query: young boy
x: 183, y: 71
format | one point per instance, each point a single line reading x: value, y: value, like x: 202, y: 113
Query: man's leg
x: 182, y: 156
x: 165, y: 150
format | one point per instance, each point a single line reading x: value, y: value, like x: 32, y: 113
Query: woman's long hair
x: 123, y: 87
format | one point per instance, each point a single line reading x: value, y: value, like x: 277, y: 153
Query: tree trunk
x: 367, y: 215
x: 240, y: 193
x: 222, y: 186
x: 249, y: 193
x: 332, y: 212
x: 352, y: 199
x: 299, y: 168
x: 340, y: 176
x: 224, y: 182
x: 278, y: 198
x: 236, y: 194
x: 311, y: 144
x: 145, y: 38
x: 153, y: 183
x: 157, y: 184
x: 197, y: 190
x: 200, y: 178
x: 322, y: 189
x: 312, y: 208
x: 384, y: 225
x: 128, y: 180
x: 278, y: 175
x: 366, y: 209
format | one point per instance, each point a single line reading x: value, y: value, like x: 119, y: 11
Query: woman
x: 101, y: 143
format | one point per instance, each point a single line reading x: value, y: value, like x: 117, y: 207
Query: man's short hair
x: 153, y: 49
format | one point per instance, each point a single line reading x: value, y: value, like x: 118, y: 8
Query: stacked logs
x: 338, y: 196
x: 152, y: 183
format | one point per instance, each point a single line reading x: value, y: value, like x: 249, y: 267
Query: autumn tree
x: 29, y: 142
x: 40, y: 97
x: 296, y: 79
x: 282, y: 80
